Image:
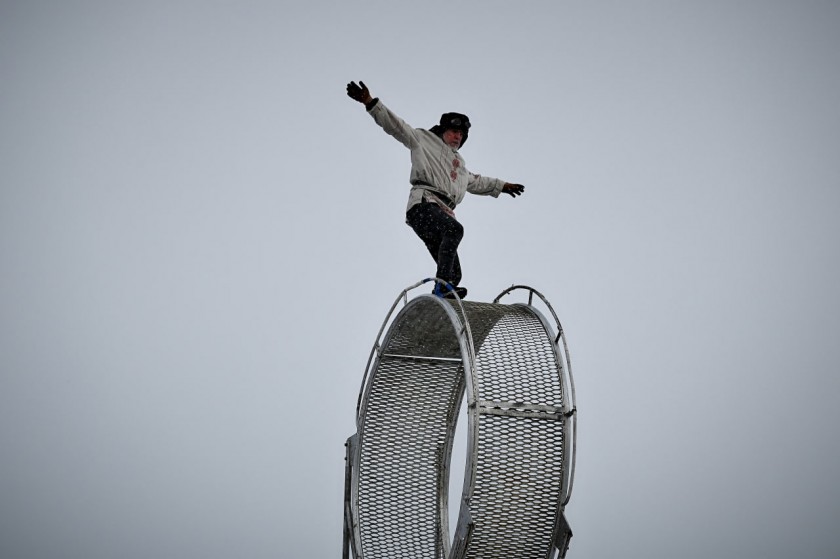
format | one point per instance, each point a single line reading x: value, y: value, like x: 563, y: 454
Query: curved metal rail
x: 520, y: 436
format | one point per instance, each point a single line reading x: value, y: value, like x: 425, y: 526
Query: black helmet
x: 453, y: 121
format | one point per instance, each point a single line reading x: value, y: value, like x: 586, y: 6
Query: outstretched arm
x: 382, y: 115
x: 488, y: 186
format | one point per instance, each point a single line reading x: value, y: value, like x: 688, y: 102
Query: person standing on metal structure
x: 439, y: 180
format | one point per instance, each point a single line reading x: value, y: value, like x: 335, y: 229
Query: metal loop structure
x: 520, y: 404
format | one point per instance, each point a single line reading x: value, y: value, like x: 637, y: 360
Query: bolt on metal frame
x: 519, y: 470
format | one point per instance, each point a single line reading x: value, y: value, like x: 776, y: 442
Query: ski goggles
x: 457, y: 123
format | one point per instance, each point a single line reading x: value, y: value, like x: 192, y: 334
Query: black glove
x: 513, y: 189
x: 360, y: 94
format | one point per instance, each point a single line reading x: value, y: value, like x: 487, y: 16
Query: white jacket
x: 433, y: 162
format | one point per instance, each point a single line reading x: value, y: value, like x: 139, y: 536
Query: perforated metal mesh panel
x: 505, y: 359
x: 518, y: 457
x: 400, y: 467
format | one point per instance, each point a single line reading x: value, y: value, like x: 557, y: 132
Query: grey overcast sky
x: 200, y: 235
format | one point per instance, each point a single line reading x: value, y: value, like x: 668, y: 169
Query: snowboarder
x: 439, y: 180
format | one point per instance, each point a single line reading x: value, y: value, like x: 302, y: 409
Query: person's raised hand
x: 513, y: 189
x: 359, y: 92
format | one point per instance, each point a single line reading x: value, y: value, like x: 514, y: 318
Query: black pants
x: 442, y: 234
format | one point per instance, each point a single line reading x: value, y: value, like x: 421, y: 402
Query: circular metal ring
x: 518, y: 474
